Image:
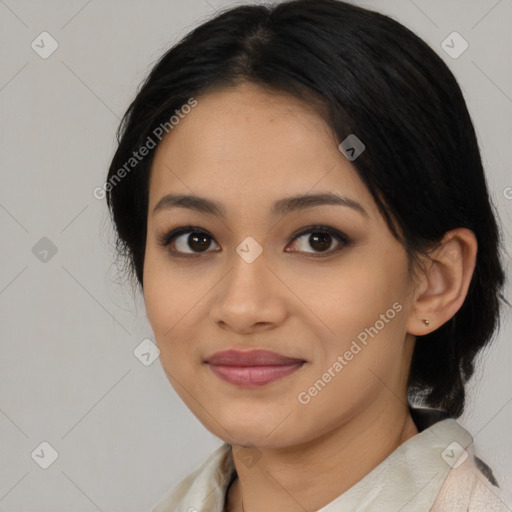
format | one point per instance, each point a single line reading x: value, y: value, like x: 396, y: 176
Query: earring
x: 425, y: 321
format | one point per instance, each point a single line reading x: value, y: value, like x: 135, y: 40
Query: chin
x: 259, y: 434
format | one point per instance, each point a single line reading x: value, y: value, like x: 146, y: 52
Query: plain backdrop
x: 69, y: 326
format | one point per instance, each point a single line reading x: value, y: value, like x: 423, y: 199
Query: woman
x: 299, y: 193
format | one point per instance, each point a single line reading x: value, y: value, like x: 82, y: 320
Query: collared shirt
x: 435, y: 470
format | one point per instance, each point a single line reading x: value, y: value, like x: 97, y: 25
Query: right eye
x: 186, y: 241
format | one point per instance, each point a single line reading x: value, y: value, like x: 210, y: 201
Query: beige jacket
x: 436, y: 471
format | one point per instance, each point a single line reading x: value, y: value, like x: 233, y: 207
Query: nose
x: 250, y: 297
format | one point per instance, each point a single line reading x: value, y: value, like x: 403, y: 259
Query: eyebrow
x: 280, y: 207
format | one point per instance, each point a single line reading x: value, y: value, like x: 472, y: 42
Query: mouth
x: 252, y: 368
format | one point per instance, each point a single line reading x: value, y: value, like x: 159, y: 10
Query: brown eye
x: 187, y: 240
x: 195, y: 241
x: 321, y: 239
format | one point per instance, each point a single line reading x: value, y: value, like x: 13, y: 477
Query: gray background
x: 68, y: 374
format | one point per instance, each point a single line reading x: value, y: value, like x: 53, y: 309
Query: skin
x: 247, y: 147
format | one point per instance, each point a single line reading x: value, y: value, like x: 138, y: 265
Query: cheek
x: 165, y: 295
x: 349, y: 296
x: 174, y: 301
x: 362, y: 312
x: 165, y: 299
x: 350, y: 373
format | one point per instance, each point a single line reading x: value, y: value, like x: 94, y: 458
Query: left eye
x: 321, y: 239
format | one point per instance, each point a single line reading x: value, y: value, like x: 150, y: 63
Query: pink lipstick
x: 252, y: 368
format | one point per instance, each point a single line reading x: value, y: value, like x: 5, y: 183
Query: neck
x: 308, y: 477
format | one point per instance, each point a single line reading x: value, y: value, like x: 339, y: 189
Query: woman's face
x: 259, y: 277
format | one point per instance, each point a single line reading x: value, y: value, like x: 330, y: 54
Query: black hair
x: 367, y: 75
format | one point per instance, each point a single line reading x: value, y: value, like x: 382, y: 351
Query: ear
x: 443, y: 283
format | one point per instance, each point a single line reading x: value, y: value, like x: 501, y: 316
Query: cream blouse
x: 435, y: 470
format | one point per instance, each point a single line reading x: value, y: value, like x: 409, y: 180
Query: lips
x: 252, y: 368
x: 251, y: 358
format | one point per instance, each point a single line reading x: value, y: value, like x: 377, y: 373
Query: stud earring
x: 425, y: 321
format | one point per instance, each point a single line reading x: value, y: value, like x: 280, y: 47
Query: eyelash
x: 165, y: 239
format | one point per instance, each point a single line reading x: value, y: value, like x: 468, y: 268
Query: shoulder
x: 470, y: 487
x: 466, y: 484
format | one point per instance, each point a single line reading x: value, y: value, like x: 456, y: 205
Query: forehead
x: 248, y: 142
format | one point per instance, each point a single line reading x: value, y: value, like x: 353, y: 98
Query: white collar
x: 408, y: 480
